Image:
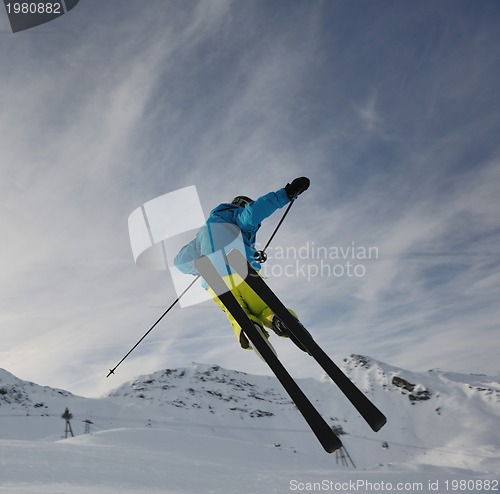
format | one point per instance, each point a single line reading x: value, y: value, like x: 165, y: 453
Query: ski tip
x: 333, y: 446
x: 378, y: 425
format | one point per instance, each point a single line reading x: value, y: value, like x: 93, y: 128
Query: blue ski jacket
x: 231, y: 220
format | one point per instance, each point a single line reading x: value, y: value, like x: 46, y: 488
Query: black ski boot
x: 281, y: 330
x: 245, y: 343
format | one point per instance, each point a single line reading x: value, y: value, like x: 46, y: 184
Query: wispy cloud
x: 391, y: 113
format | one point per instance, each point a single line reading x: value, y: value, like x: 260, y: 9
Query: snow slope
x: 208, y: 429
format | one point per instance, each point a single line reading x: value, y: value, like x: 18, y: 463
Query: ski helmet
x: 241, y: 201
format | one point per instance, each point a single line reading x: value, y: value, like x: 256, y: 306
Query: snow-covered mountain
x: 437, y: 421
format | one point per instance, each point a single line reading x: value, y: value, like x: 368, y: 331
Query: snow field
x: 203, y: 429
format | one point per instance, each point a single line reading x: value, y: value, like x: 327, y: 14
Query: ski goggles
x: 241, y: 201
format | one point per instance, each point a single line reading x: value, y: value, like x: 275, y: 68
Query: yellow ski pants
x: 254, y: 307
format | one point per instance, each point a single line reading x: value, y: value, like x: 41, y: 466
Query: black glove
x: 296, y: 188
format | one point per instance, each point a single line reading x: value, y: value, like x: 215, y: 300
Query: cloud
x: 368, y: 114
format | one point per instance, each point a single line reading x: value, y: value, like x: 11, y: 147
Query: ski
x: 318, y: 425
x: 373, y: 416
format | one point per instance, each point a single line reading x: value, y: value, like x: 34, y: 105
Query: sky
x: 390, y: 108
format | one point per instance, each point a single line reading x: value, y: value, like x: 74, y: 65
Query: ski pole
x: 112, y: 371
x: 260, y: 255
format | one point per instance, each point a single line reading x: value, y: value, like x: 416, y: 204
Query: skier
x: 244, y: 215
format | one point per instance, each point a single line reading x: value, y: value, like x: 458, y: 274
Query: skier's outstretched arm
x: 254, y: 213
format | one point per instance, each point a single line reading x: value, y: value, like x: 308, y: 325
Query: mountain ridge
x: 448, y: 416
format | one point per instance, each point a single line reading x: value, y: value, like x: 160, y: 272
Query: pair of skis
x: 318, y: 425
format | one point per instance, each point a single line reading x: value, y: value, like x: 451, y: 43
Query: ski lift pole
x: 112, y: 371
x: 260, y: 255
